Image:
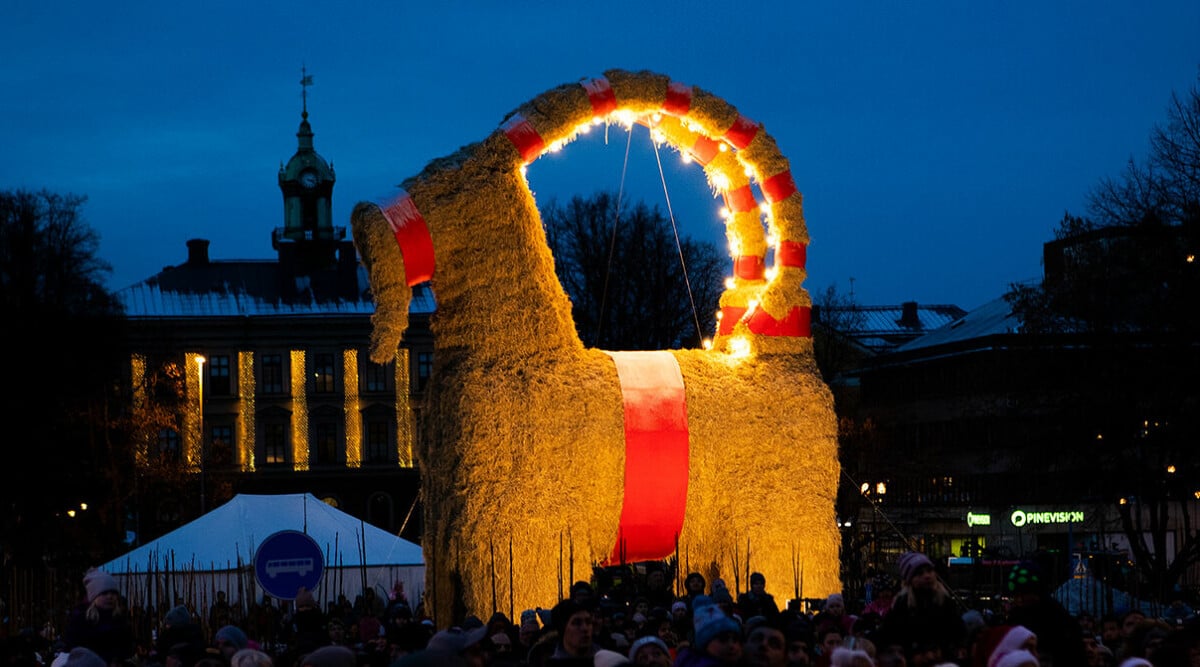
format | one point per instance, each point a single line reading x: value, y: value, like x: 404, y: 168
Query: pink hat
x: 1013, y: 640
x: 1017, y: 659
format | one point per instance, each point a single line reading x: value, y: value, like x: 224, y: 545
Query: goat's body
x: 533, y: 461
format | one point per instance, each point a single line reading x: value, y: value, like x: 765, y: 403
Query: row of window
x: 325, y: 445
x: 273, y: 376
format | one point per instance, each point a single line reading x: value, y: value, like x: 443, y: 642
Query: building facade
x: 981, y: 444
x: 276, y: 393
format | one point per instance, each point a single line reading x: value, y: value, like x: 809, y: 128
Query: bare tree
x: 634, y: 285
x: 63, y: 337
x: 836, y: 317
x: 1165, y: 190
x: 48, y: 260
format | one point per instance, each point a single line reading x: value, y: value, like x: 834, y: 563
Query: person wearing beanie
x: 757, y: 601
x: 502, y: 648
x: 604, y: 658
x: 1059, y: 637
x: 329, y: 656
x: 722, y: 598
x: 1004, y: 639
x: 608, y: 658
x: 909, y: 563
x: 229, y: 640
x: 716, y: 638
x: 181, y: 636
x: 573, y: 623
x: 693, y: 587
x: 1020, y: 658
x: 178, y: 615
x: 459, y: 643
x: 368, y: 628
x: 834, y: 614
x: 98, y: 623
x: 251, y: 657
x: 83, y: 657
x: 974, y: 622
x: 924, y: 623
x: 528, y: 633
x: 650, y: 651
x: 308, y: 622
x: 883, y: 593
x: 680, y: 620
x: 530, y: 616
x: 98, y: 582
x: 304, y: 598
x: 582, y: 592
x: 848, y: 657
x: 658, y: 591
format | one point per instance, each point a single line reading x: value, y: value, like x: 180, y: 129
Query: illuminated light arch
x: 525, y: 451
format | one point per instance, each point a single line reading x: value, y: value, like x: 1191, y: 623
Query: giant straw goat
x: 532, y: 463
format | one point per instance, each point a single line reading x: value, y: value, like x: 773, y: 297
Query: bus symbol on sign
x: 287, y: 561
x: 299, y: 566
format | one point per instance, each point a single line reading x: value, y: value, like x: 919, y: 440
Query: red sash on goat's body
x: 656, y: 456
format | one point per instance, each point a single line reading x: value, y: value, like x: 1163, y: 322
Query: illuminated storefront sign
x: 1022, y: 518
x: 979, y: 519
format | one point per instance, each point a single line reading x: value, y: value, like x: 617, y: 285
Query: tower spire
x: 305, y: 134
x: 305, y: 82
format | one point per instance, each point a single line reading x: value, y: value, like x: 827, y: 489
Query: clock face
x: 308, y: 179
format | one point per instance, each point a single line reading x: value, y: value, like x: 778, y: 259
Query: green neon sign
x: 1022, y: 518
x: 979, y: 519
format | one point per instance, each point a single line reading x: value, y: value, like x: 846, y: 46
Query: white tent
x: 1085, y: 594
x: 216, y: 553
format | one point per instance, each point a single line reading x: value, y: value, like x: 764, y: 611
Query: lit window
x: 323, y: 378
x: 275, y: 443
x: 377, y: 377
x: 272, y: 373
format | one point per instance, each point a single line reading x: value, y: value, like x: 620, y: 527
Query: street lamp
x: 200, y: 361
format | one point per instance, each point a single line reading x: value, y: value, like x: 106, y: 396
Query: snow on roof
x: 993, y: 317
x: 251, y: 288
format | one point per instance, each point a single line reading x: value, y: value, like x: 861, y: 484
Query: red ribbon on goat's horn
x: 412, y: 234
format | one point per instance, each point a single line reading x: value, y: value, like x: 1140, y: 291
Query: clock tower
x: 308, y: 235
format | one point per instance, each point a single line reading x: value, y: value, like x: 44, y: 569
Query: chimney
x: 908, y: 315
x: 197, y: 252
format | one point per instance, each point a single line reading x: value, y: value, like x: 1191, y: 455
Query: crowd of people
x: 911, y: 620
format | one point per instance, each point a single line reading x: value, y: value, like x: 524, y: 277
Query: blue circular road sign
x: 287, y: 560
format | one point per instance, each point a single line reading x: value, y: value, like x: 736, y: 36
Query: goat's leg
x: 764, y: 474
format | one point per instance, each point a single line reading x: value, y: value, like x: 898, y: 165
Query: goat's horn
x: 381, y: 256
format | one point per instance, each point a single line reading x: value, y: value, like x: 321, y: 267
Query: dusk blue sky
x: 937, y: 144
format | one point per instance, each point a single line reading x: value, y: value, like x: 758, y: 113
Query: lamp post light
x: 880, y: 492
x: 200, y: 361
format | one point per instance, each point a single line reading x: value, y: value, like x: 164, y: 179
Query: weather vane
x: 305, y: 82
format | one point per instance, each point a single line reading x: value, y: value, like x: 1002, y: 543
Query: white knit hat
x: 97, y: 582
